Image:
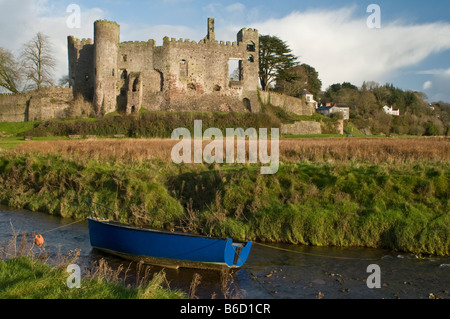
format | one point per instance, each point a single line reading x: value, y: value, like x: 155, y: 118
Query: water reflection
x: 281, y: 271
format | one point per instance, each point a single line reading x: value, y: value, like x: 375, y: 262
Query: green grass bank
x: 28, y: 278
x: 403, y: 207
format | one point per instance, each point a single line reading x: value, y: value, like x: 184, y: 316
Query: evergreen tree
x: 275, y: 61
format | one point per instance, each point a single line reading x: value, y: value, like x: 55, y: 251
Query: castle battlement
x: 150, y: 42
x: 187, y: 42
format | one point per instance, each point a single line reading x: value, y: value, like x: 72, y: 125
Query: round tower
x: 106, y: 42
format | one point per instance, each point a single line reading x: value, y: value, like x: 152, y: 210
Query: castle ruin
x: 179, y: 75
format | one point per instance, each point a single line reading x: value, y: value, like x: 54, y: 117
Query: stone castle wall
x: 38, y: 105
x: 291, y: 104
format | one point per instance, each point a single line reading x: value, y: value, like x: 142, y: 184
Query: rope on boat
x: 39, y: 239
x: 76, y: 222
x: 310, y: 254
x: 288, y: 250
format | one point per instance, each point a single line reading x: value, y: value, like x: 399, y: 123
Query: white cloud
x: 438, y: 90
x: 342, y: 48
x: 427, y: 85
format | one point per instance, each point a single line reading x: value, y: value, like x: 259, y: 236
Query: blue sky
x: 410, y: 50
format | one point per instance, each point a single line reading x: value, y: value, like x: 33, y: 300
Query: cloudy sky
x: 411, y: 47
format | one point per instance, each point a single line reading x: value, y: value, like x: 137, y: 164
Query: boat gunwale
x: 165, y: 232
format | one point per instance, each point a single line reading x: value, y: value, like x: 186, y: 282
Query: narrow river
x: 279, y: 271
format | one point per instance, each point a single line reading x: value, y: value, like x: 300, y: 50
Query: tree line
x: 281, y: 71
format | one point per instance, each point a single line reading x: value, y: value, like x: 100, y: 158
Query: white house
x: 329, y: 109
x: 391, y: 111
x: 309, y: 97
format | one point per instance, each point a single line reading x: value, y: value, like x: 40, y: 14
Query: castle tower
x: 106, y: 42
x: 81, y: 67
x: 248, y: 39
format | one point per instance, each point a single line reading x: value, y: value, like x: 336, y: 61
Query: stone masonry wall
x: 301, y: 128
x: 35, y: 106
x: 288, y: 103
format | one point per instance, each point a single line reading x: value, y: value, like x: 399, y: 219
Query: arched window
x: 251, y: 47
x: 247, y: 104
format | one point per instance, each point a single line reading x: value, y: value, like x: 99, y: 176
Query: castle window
x: 235, y: 70
x: 135, y: 84
x: 251, y: 58
x: 124, y: 74
x: 217, y: 88
x: 183, y: 68
x: 247, y: 104
x: 112, y: 73
x: 124, y: 57
x: 86, y: 77
x: 251, y: 47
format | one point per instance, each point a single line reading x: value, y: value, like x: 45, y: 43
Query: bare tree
x: 38, y: 61
x: 10, y: 75
x: 64, y: 80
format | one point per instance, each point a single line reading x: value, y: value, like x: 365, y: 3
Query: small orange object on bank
x: 39, y: 240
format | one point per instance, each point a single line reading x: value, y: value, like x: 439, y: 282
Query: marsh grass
x: 373, y: 150
x: 27, y: 273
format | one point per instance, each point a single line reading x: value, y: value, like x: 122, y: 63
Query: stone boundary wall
x: 301, y: 128
x: 288, y: 103
x: 13, y: 107
x: 52, y: 102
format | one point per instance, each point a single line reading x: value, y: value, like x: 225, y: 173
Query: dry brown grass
x: 376, y: 150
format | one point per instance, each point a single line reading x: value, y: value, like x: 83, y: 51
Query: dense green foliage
x: 300, y: 77
x: 417, y: 117
x: 151, y: 124
x: 275, y: 60
x: 402, y: 207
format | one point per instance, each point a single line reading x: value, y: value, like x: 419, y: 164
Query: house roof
x: 304, y: 92
x: 324, y: 108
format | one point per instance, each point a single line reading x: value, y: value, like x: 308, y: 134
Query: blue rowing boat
x: 169, y: 249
